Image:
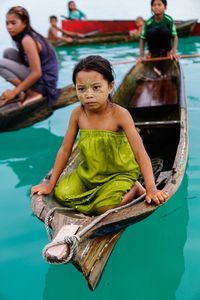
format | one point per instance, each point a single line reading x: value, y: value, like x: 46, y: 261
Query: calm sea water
x: 158, y: 258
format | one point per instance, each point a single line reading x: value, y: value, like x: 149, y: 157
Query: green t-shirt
x: 166, y: 21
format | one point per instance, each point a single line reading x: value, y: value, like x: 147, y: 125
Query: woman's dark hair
x: 163, y: 1
x: 95, y: 63
x: 70, y: 2
x: 23, y: 15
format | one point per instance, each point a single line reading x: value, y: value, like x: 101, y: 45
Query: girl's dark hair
x: 163, y: 1
x: 23, y: 15
x: 94, y: 63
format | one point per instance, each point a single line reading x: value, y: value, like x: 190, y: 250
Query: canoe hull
x: 15, y: 115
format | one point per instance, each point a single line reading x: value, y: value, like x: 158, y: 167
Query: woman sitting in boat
x: 53, y: 32
x: 160, y: 32
x: 74, y: 13
x: 33, y: 67
x: 111, y: 149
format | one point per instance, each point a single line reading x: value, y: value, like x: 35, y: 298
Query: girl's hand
x: 140, y: 59
x: 42, y: 189
x: 173, y: 55
x: 157, y: 196
x: 8, y: 95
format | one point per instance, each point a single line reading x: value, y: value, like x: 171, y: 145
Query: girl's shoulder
x: 149, y: 21
x: 119, y: 110
x: 27, y: 40
x: 77, y: 111
x: 168, y: 17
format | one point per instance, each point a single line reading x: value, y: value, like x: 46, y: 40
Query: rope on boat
x: 72, y: 241
x: 72, y: 244
x: 49, y: 218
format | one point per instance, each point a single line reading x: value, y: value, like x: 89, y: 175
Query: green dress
x: 108, y: 170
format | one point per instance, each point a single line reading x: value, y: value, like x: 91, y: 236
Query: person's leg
x: 12, y: 70
x: 111, y: 194
x: 12, y: 54
x: 136, y: 191
x: 69, y: 187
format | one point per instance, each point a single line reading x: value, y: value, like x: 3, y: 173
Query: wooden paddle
x: 155, y: 59
x: 91, y: 33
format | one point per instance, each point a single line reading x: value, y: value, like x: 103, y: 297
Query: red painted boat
x: 103, y: 26
x: 184, y: 28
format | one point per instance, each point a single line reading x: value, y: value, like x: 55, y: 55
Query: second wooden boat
x: 154, y: 94
x: 113, y: 32
x: 15, y: 115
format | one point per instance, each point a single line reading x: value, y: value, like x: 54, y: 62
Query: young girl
x: 33, y: 67
x: 111, y: 149
x: 159, y: 32
x: 74, y: 13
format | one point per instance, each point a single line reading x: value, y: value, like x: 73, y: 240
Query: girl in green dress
x: 111, y: 149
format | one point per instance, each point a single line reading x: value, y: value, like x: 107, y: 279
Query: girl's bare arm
x: 62, y: 156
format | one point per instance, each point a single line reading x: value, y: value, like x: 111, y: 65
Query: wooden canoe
x: 154, y: 94
x: 14, y: 115
x: 113, y: 32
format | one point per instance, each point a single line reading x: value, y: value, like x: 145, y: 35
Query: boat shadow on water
x: 28, y: 161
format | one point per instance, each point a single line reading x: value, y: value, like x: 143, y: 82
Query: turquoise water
x: 158, y: 258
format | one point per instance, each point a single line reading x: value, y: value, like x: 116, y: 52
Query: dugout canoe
x: 15, y: 115
x: 114, y: 32
x: 154, y: 94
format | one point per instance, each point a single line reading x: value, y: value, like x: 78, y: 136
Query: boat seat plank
x: 157, y: 123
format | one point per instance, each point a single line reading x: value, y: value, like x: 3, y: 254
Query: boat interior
x: 156, y: 111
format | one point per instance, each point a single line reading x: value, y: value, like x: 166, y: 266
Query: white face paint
x: 92, y: 89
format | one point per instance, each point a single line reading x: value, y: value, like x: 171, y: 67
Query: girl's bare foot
x: 136, y: 191
x: 31, y: 96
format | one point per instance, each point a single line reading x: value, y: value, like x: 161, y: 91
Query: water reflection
x: 152, y: 270
x: 29, y: 153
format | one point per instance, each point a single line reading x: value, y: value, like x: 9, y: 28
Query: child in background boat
x: 33, y: 67
x: 74, y: 13
x: 159, y: 32
x: 54, y: 31
x: 111, y: 149
x: 139, y: 23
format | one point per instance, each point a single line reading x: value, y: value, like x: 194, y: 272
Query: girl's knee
x: 12, y: 54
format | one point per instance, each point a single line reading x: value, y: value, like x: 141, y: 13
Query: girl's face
x: 92, y: 89
x: 72, y: 6
x: 14, y: 24
x: 158, y: 7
